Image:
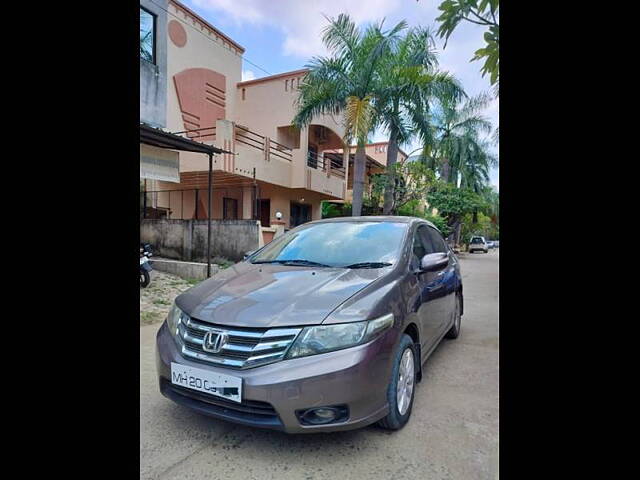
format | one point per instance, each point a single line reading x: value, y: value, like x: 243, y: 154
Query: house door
x: 264, y: 212
x: 300, y: 214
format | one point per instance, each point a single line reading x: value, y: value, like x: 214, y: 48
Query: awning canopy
x: 371, y: 162
x: 160, y: 138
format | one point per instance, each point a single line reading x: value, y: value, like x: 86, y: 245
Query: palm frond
x: 358, y: 116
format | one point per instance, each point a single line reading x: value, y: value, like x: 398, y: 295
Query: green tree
x: 492, y: 203
x: 474, y: 170
x: 345, y: 83
x: 458, y: 125
x: 412, y: 182
x: 330, y: 210
x: 453, y: 204
x: 480, y: 12
x: 408, y: 82
x: 483, y: 227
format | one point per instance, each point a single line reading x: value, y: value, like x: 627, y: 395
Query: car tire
x: 145, y: 279
x: 400, y: 404
x: 454, y: 331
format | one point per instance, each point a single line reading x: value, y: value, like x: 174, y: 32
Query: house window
x: 147, y: 36
x: 229, y: 208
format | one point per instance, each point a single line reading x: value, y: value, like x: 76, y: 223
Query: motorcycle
x: 145, y: 265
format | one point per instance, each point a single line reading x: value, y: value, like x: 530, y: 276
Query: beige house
x: 376, y: 163
x: 274, y: 168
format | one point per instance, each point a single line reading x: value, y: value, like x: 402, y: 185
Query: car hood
x: 248, y: 295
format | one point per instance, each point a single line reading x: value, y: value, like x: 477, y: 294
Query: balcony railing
x: 206, y: 134
x: 252, y: 139
x: 332, y: 161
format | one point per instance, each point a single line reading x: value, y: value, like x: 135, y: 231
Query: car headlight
x: 174, y: 318
x: 327, y: 338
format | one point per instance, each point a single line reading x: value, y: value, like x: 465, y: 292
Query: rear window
x: 476, y: 240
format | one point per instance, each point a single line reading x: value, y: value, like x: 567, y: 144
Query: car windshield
x: 337, y: 244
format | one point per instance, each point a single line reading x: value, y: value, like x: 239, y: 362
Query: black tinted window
x: 437, y: 241
x: 426, y: 239
x: 420, y: 247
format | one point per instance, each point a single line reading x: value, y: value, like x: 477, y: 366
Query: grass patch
x: 222, y: 262
x: 147, y: 318
x: 193, y: 281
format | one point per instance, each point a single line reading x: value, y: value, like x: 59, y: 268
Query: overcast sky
x: 282, y: 35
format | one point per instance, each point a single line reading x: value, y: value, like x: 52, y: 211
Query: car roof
x: 377, y: 218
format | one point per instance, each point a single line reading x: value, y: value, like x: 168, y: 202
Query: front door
x: 299, y: 214
x: 433, y: 302
x: 264, y: 211
x: 441, y: 291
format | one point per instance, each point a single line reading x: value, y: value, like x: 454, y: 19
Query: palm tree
x: 345, y: 83
x: 474, y: 171
x: 458, y: 125
x: 409, y: 81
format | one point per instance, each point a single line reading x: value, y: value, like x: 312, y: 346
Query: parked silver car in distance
x: 478, y: 243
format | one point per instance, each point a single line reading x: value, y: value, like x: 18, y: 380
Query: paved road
x: 452, y: 434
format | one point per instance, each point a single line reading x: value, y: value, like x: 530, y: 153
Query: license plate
x: 217, y: 384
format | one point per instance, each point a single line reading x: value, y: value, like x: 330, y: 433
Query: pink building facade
x: 275, y: 167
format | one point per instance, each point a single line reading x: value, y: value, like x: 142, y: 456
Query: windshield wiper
x: 368, y: 265
x: 295, y: 262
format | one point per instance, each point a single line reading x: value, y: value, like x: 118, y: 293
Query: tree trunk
x: 475, y: 216
x: 389, y: 190
x: 455, y: 226
x: 446, y: 169
x: 359, y: 165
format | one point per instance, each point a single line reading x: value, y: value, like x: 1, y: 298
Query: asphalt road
x: 452, y: 433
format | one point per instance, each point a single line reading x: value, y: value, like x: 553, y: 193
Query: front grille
x: 245, y: 348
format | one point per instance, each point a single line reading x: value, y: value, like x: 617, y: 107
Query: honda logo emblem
x: 214, y: 340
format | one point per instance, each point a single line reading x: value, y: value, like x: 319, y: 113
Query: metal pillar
x: 254, y: 208
x: 209, y: 217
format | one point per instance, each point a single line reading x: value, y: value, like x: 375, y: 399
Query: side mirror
x: 434, y: 261
x: 248, y: 254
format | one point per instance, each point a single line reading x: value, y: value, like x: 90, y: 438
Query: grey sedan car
x: 326, y: 328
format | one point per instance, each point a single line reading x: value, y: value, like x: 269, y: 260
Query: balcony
x: 329, y: 162
x: 268, y: 147
x: 326, y: 173
x: 255, y: 154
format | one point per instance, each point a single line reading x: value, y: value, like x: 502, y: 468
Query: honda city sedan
x: 326, y: 328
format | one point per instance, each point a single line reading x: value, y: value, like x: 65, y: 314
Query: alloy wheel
x: 404, y: 387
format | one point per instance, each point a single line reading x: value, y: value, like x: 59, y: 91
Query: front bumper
x: 271, y: 394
